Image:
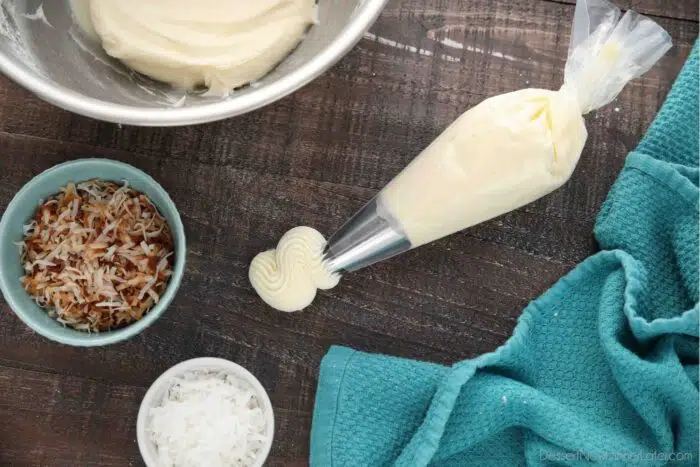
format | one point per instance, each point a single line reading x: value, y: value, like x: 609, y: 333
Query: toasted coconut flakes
x: 153, y: 294
x: 97, y: 256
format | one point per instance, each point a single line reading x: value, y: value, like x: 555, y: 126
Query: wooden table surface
x: 314, y: 158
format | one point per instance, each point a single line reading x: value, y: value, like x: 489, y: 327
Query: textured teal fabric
x: 603, y: 367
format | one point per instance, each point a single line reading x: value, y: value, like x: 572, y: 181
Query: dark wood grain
x: 657, y: 8
x: 314, y: 158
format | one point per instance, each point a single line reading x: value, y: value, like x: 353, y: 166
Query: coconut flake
x: 208, y: 419
x: 85, y: 247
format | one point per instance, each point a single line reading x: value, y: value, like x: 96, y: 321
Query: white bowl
x: 154, y: 397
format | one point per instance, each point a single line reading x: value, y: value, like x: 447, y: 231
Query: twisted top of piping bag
x: 608, y: 50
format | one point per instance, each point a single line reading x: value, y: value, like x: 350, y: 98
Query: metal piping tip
x: 371, y: 235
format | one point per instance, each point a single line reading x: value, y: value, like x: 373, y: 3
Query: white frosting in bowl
x: 218, y: 44
x: 288, y: 277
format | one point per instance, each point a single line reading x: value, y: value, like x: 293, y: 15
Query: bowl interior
x: 155, y: 394
x: 45, y: 39
x: 22, y: 208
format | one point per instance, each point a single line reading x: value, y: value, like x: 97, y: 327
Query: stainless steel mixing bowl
x: 43, y: 49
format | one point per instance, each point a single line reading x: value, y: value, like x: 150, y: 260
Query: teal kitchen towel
x: 601, y: 368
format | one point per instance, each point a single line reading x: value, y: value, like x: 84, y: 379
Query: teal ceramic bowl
x: 20, y: 211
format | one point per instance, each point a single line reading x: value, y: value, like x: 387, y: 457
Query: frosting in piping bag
x: 502, y: 154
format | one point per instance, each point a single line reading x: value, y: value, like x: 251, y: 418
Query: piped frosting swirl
x: 288, y: 277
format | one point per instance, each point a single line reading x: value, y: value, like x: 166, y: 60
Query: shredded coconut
x: 208, y: 419
x: 96, y: 255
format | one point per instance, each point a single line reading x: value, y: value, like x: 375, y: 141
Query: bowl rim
x: 67, y: 99
x: 81, y: 339
x: 194, y: 364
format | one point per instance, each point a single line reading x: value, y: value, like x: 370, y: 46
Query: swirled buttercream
x: 218, y: 44
x: 288, y: 277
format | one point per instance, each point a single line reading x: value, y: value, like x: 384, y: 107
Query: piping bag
x: 506, y: 152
